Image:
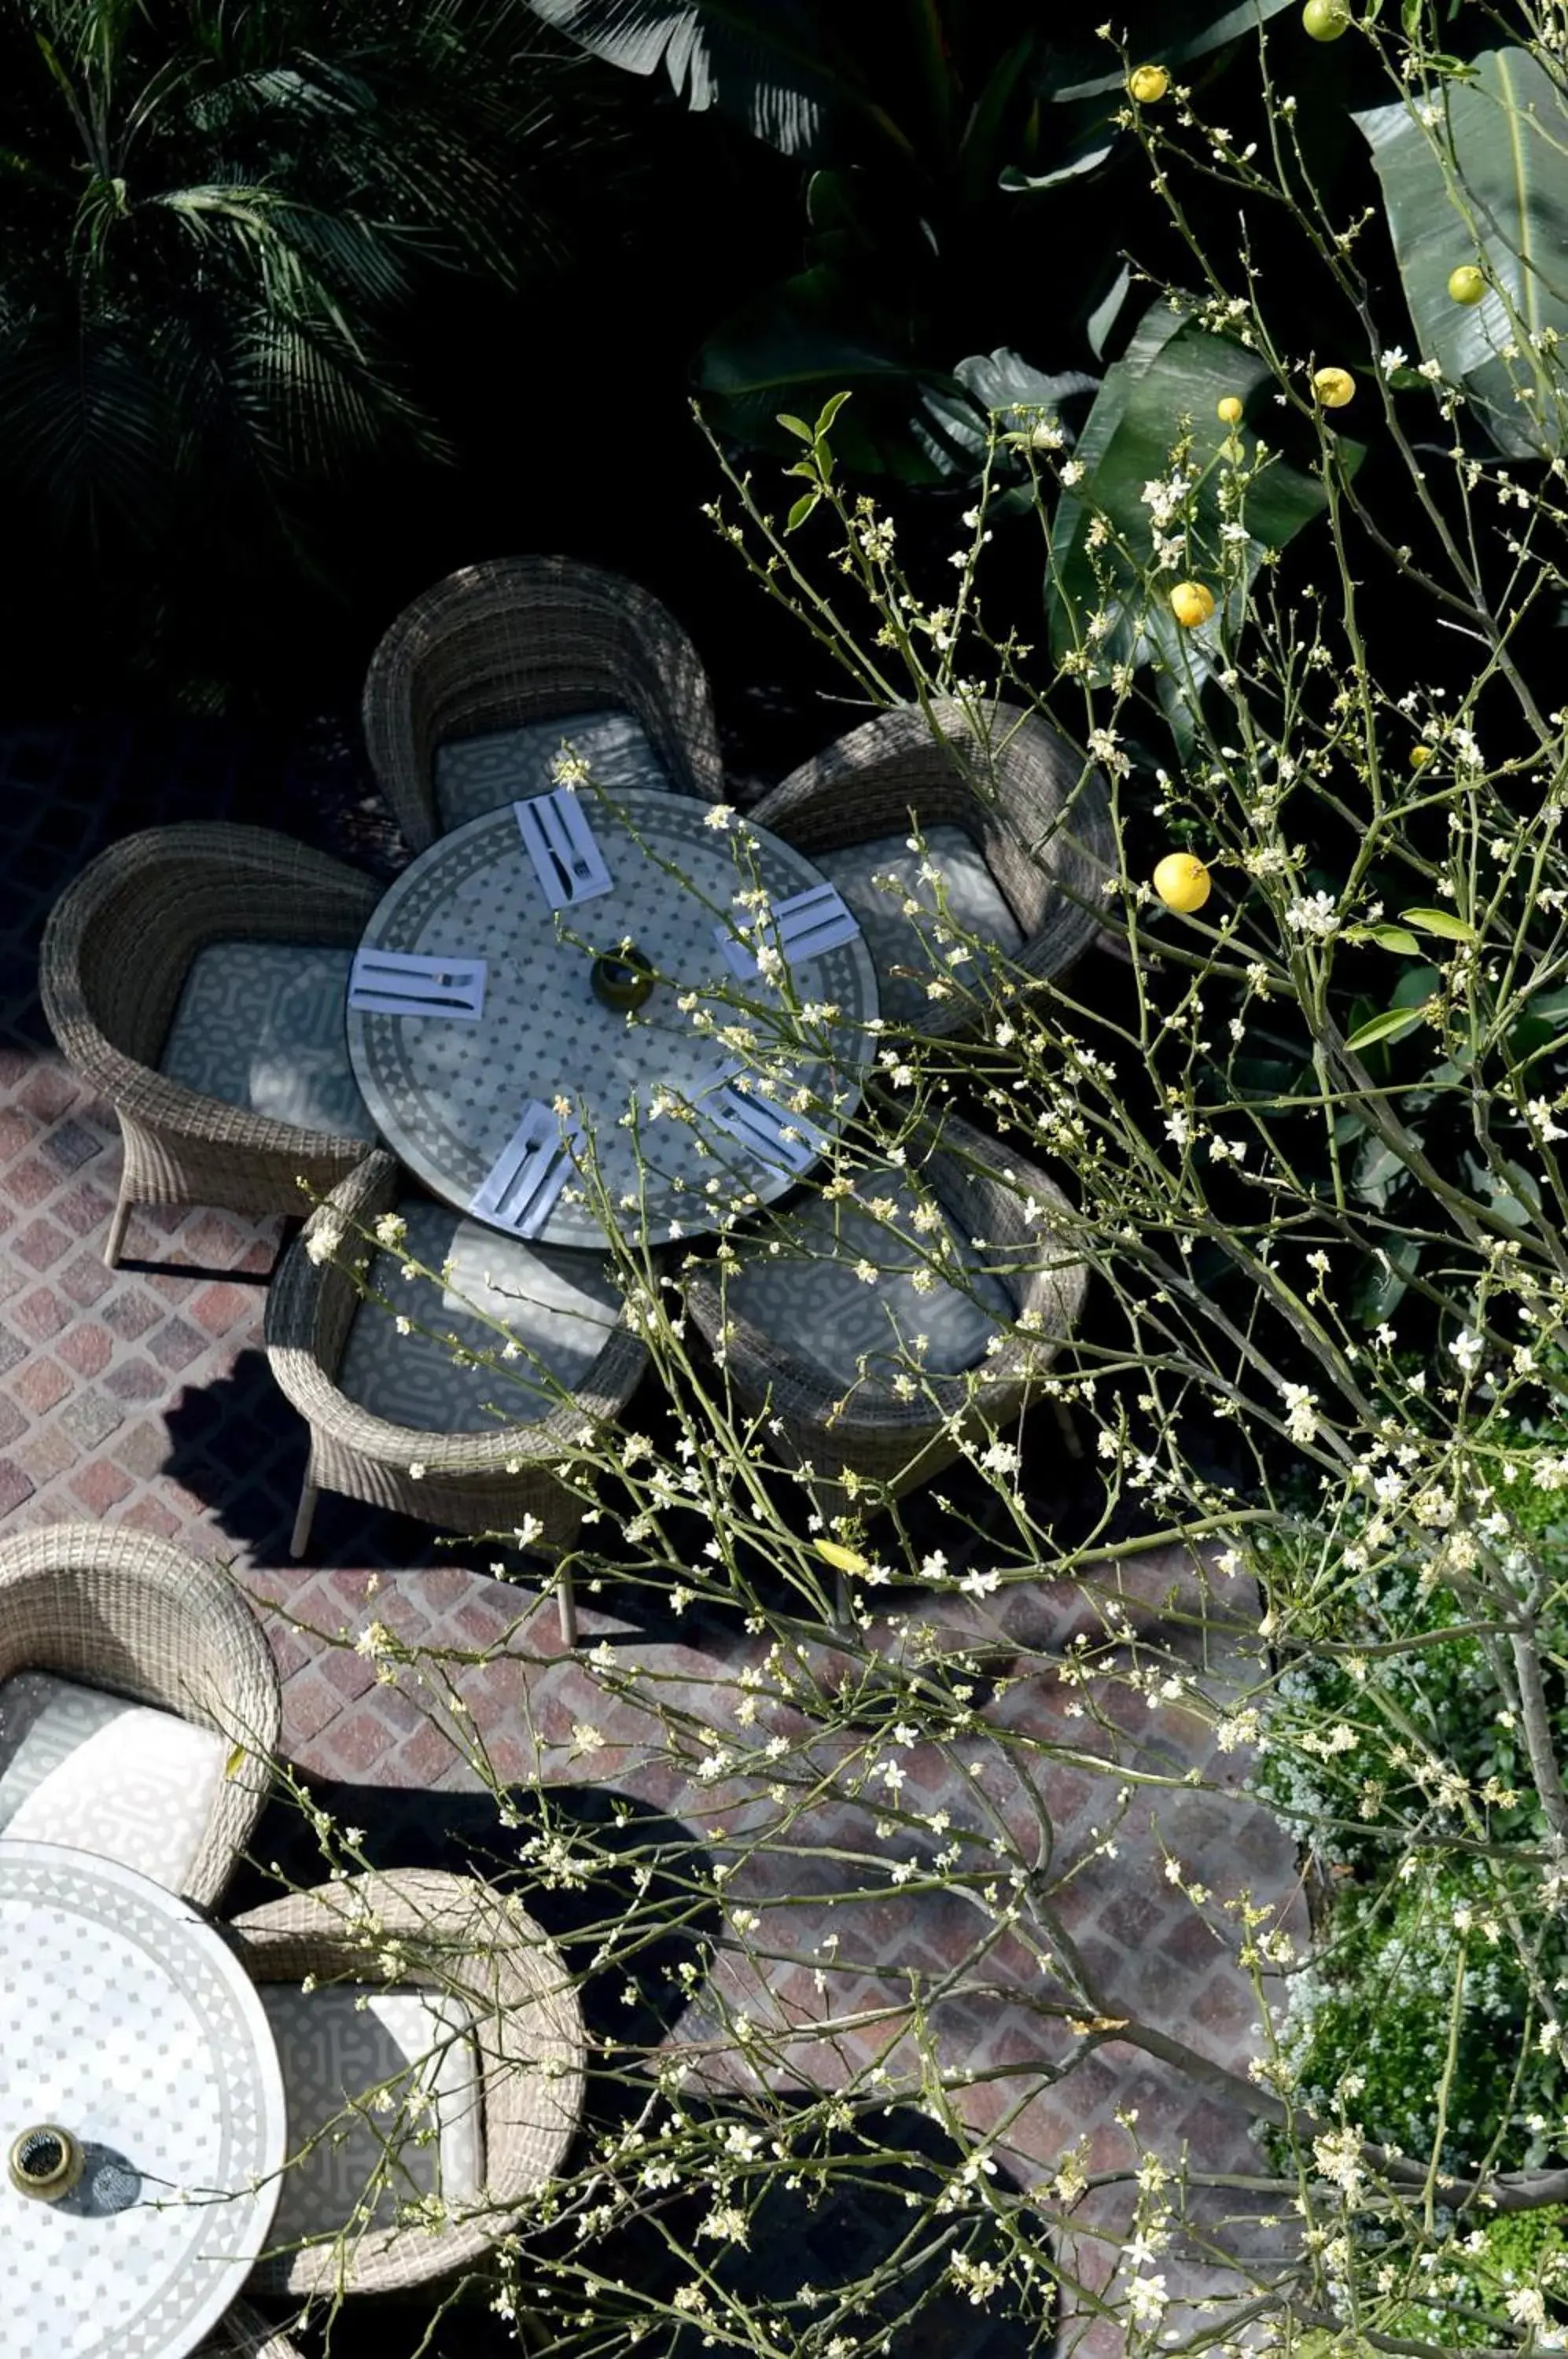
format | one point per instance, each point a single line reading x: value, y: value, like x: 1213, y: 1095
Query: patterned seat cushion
x: 89, y: 1770
x: 474, y: 774
x: 557, y: 1305
x: 262, y: 1025
x: 842, y: 1295
x: 976, y: 903
x: 383, y: 2093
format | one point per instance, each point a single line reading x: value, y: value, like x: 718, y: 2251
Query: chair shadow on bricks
x: 237, y: 1448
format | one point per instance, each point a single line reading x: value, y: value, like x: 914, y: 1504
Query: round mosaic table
x: 447, y: 1095
x: 126, y: 2020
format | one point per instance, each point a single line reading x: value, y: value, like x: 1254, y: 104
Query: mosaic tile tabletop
x: 447, y: 1097
x: 128, y: 2021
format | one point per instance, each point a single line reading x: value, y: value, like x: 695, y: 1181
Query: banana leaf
x: 952, y: 427
x: 1170, y: 377
x: 1077, y: 140
x: 1505, y: 203
x: 763, y: 64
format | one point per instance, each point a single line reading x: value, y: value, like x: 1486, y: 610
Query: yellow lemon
x: 1183, y: 882
x: 1228, y: 411
x: 1325, y: 20
x: 1148, y: 85
x: 1191, y: 603
x: 1466, y: 284
x: 841, y: 1558
x: 1333, y: 387
x: 1419, y: 756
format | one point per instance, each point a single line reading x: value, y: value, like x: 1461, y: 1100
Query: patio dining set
x: 264, y: 1019
x: 352, y: 2088
x: 599, y: 1017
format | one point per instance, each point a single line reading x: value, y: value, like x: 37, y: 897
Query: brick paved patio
x: 143, y: 1397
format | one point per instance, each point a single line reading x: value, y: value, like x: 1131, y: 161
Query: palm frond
x: 86, y: 426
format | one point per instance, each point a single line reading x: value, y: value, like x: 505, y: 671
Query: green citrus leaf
x: 1388, y: 938
x: 803, y: 509
x: 1392, y: 1025
x: 1439, y: 921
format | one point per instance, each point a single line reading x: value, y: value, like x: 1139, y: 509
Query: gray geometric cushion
x: 557, y: 1305
x: 396, y: 2080
x: 975, y: 904
x: 812, y: 1298
x: 474, y: 774
x: 261, y: 1025
x: 81, y: 1768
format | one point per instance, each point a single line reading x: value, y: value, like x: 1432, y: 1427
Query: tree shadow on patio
x: 850, y: 2215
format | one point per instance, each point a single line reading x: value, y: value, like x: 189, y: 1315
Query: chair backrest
x: 523, y: 639
x: 119, y: 941
x: 1018, y: 791
x: 246, y: 2334
x: 132, y: 1615
x: 462, y: 1939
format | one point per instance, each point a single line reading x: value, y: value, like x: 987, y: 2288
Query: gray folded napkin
x: 522, y: 1184
x: 407, y: 982
x: 567, y: 860
x: 803, y: 926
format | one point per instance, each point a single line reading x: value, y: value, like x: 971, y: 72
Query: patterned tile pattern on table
x: 449, y: 1095
x: 178, y: 2081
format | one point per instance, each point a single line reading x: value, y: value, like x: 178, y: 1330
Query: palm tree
x: 218, y: 214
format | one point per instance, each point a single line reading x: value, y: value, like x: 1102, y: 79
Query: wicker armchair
x: 117, y: 948
x: 483, y: 1479
x: 128, y: 1614
x: 246, y: 2334
x: 465, y: 1942
x: 522, y: 640
x: 1041, y: 829
x: 838, y: 1419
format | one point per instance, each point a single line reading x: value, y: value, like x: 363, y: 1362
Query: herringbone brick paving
x: 142, y: 1395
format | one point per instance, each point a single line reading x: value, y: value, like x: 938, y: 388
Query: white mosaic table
x: 125, y: 2019
x: 447, y: 1095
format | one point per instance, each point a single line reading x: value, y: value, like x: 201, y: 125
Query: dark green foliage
x: 218, y: 222
x: 941, y: 134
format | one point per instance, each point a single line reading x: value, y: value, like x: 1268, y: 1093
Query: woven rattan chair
x: 118, y: 948
x: 485, y: 1478
x: 246, y: 2334
x: 130, y: 1616
x: 520, y: 640
x: 840, y: 1408
x: 1022, y: 834
x: 462, y: 1941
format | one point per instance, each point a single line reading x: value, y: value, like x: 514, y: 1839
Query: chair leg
x: 304, y: 1518
x: 116, y: 1236
x: 566, y: 1604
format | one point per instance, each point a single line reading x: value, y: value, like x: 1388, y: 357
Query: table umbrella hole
x: 45, y: 2162
x: 621, y: 979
